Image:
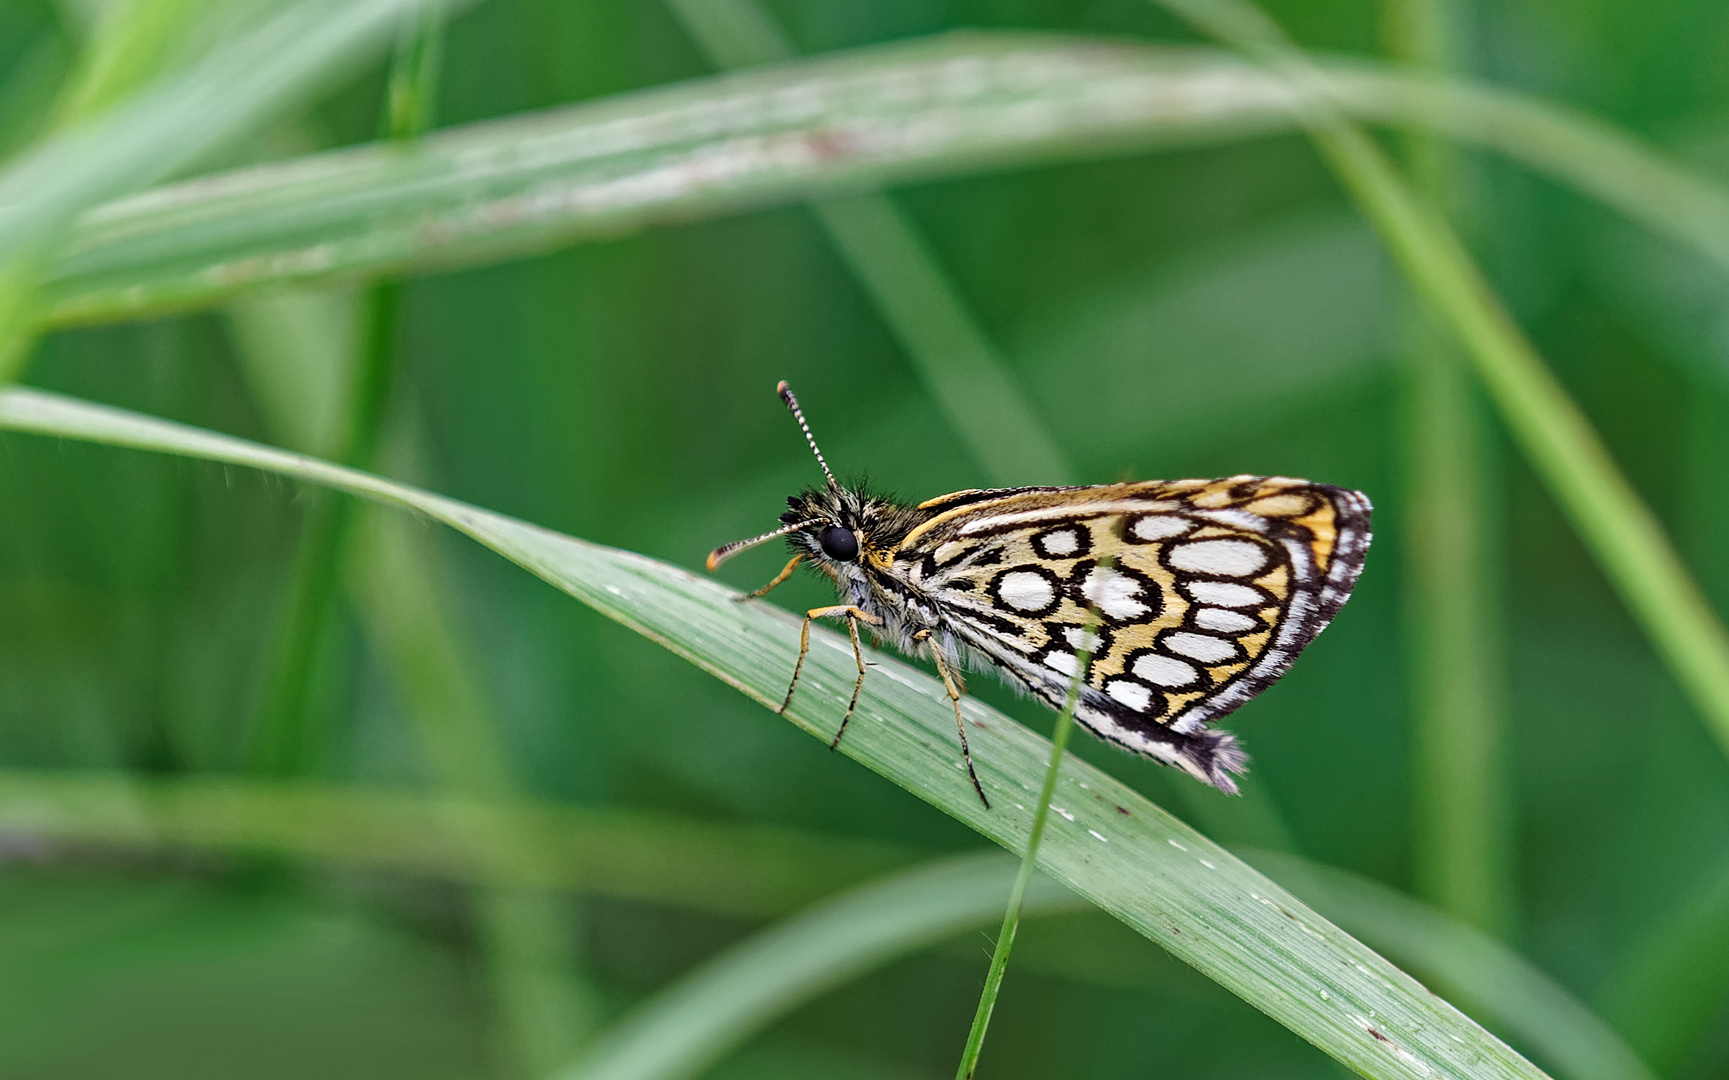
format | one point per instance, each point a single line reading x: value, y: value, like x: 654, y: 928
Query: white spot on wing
x: 1160, y: 528
x: 1134, y: 695
x: 1226, y: 558
x: 1117, y: 596
x: 1225, y: 594
x: 1061, y: 542
x: 1208, y: 650
x: 1026, y: 591
x: 1081, y: 638
x: 1226, y: 622
x: 1165, y: 671
x: 1062, y: 663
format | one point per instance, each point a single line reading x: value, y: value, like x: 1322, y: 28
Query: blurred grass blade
x: 754, y: 871
x: 961, y: 367
x: 545, y: 1009
x: 1461, y: 818
x: 1503, y: 986
x: 737, y: 870
x: 1109, y: 844
x: 1621, y: 532
x: 170, y: 125
x: 124, y: 48
x: 1670, y: 996
x: 164, y: 128
x: 707, y: 1012
x: 956, y: 104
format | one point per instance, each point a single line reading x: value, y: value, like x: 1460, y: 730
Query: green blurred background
x: 1192, y: 312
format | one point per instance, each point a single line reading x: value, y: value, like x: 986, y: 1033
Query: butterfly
x: 1189, y: 596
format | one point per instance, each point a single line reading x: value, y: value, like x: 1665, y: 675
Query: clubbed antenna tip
x: 785, y: 393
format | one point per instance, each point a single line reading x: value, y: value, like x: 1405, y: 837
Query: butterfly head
x: 840, y: 528
x: 835, y: 527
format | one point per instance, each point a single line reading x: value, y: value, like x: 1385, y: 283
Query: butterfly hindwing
x: 1204, y: 593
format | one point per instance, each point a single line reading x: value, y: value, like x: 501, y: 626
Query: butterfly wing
x: 1205, y: 591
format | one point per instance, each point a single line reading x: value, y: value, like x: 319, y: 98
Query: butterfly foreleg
x: 786, y: 572
x: 950, y: 681
x: 853, y: 615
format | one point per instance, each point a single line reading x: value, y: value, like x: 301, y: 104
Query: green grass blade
x: 1619, y: 529
x: 1461, y: 818
x: 1670, y: 994
x: 1065, y: 727
x: 1109, y: 844
x: 1497, y: 982
x: 961, y: 367
x: 545, y: 1011
x: 757, y: 871
x: 736, y: 870
x: 165, y: 128
x: 683, y: 1030
x: 819, y: 127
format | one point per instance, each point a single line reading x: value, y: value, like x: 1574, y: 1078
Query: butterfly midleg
x: 949, y: 680
x: 852, y: 615
x: 786, y: 572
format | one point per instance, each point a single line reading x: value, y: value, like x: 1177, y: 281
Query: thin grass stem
x: 290, y: 736
x: 1113, y: 846
x: 1618, y: 528
x: 1030, y: 857
x: 1461, y: 847
x: 962, y: 370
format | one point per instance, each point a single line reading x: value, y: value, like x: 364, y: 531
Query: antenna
x: 785, y: 393
x: 727, y: 551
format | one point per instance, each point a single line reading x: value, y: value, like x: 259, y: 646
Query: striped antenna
x: 785, y: 393
x: 727, y: 551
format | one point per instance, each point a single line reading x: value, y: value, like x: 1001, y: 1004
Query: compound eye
x: 838, y: 543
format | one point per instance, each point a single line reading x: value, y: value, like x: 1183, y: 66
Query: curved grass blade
x: 951, y: 352
x: 1461, y: 815
x: 688, y: 1027
x: 741, y: 871
x: 1624, y: 536
x: 1489, y: 977
x: 759, y: 871
x: 166, y: 127
x: 1108, y: 844
x: 1670, y: 993
x: 833, y: 125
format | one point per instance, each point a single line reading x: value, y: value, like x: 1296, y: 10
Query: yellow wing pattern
x: 1205, y: 590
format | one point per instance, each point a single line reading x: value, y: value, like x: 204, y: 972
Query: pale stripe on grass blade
x: 1622, y: 534
x: 1461, y: 816
x: 748, y: 871
x: 952, y: 105
x: 166, y: 127
x: 678, y: 1033
x: 1108, y: 843
x: 961, y: 366
x: 759, y: 871
x: 1503, y: 987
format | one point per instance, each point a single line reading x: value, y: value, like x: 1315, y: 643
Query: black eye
x: 838, y: 543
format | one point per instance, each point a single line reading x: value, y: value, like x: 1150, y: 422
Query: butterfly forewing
x: 1199, y: 593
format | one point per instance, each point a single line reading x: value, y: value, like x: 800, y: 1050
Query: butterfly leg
x: 785, y: 573
x: 852, y: 615
x: 858, y: 654
x: 950, y: 679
